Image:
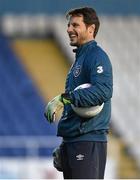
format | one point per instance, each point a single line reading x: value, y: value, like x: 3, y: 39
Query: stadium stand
x: 21, y: 107
x: 119, y: 35
x: 45, y: 63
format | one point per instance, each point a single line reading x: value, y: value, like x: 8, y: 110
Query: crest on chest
x: 77, y: 70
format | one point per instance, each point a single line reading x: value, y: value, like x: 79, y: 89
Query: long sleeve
x: 99, y: 70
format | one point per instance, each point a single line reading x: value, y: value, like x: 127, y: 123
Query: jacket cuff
x: 66, y: 98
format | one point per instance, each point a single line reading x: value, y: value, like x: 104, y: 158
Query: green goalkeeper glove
x: 53, y: 106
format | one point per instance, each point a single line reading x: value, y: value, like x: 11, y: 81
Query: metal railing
x: 31, y: 144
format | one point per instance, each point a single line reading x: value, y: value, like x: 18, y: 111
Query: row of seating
x: 21, y: 106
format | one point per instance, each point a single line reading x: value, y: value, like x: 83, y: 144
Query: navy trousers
x: 83, y: 160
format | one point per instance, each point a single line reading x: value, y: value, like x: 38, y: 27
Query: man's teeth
x: 72, y: 36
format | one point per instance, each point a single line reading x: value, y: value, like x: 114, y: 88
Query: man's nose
x: 69, y: 29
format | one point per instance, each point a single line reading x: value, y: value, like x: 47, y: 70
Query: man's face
x: 78, y: 32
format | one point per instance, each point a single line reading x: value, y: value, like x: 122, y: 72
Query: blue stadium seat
x: 21, y: 106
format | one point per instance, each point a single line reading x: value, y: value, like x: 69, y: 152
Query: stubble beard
x: 74, y: 44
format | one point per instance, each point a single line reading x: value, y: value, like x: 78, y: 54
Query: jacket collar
x: 83, y: 47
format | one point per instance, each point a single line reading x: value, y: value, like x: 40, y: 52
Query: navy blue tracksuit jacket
x: 92, y: 65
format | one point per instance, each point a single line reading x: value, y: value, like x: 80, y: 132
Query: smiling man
x: 79, y: 32
x: 83, y: 151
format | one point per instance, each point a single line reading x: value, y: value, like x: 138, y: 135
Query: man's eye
x: 75, y: 25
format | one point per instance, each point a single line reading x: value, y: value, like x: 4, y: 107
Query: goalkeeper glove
x: 55, y: 105
x: 57, y: 162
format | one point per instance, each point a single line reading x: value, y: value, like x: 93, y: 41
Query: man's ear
x: 92, y: 28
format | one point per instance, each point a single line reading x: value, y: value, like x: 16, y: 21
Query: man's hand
x: 53, y: 106
x: 57, y: 162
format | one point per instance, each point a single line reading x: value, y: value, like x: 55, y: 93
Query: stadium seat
x: 21, y: 107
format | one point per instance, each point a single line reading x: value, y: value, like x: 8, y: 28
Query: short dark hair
x: 89, y: 16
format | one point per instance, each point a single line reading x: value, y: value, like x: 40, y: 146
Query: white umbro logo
x: 80, y: 157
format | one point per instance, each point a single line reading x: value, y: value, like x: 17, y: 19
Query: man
x: 83, y: 152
